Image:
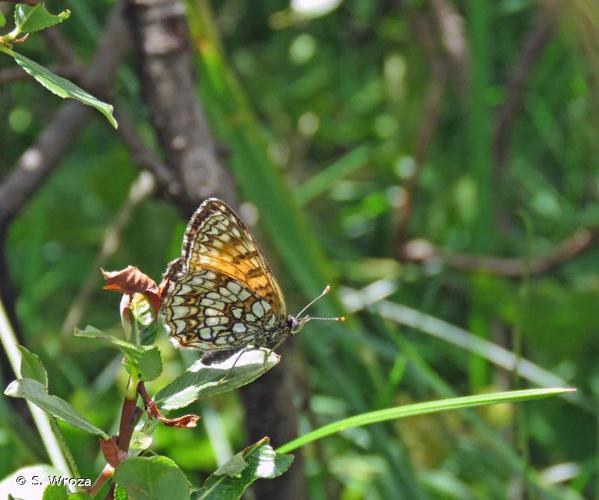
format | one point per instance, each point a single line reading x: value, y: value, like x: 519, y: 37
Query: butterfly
x: 221, y: 296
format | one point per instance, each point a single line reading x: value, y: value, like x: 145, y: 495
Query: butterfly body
x: 221, y: 295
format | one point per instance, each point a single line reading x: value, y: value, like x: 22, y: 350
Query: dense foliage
x: 434, y: 159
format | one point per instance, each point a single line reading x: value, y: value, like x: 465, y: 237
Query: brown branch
x: 531, y: 51
x: 106, y: 474
x: 145, y: 158
x: 129, y: 415
x: 574, y: 245
x: 40, y: 159
x: 163, y: 54
x: 61, y: 47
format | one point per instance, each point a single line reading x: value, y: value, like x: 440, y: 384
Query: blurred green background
x: 437, y: 155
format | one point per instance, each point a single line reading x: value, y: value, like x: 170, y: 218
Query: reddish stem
x: 128, y: 418
x: 102, y: 478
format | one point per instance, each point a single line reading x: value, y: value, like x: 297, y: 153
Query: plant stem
x: 128, y: 415
x: 106, y: 474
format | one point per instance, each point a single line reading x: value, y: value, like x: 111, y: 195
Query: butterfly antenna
x: 326, y: 290
x: 309, y: 318
x: 338, y: 318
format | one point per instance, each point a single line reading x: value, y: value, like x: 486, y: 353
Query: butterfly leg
x: 231, y: 352
x: 266, y: 351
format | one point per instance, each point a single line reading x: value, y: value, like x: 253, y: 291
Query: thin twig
x: 423, y: 32
x: 532, y: 49
x: 145, y: 158
x: 574, y: 245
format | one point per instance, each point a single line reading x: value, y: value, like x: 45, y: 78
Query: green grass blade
x: 323, y: 180
x: 420, y: 409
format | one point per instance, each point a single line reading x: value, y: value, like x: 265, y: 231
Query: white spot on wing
x: 238, y: 328
x: 257, y: 309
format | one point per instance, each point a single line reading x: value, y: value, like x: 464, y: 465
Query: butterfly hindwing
x: 212, y: 311
x: 217, y: 239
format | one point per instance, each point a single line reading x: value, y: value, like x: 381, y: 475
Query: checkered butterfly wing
x: 210, y: 311
x: 216, y: 239
x: 221, y: 294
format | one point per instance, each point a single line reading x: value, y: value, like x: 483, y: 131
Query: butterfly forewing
x: 217, y: 239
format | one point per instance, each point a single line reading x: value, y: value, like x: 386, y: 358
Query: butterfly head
x: 296, y: 323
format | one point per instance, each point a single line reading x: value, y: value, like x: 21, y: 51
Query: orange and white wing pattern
x: 218, y: 240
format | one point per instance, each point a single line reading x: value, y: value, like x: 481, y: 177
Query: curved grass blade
x: 420, y: 409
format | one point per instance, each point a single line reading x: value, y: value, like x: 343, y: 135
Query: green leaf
x: 60, y: 86
x: 55, y: 492
x: 149, y: 478
x: 80, y: 495
x: 33, y: 391
x: 258, y: 461
x: 201, y: 381
x: 142, y: 361
x: 374, y: 417
x: 31, y: 18
x: 2, y: 19
x: 31, y: 367
x: 120, y: 493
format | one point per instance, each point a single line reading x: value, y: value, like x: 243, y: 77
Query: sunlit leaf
x: 33, y: 391
x: 60, y: 86
x: 31, y: 18
x: 258, y: 461
x: 201, y: 381
x: 55, y: 492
